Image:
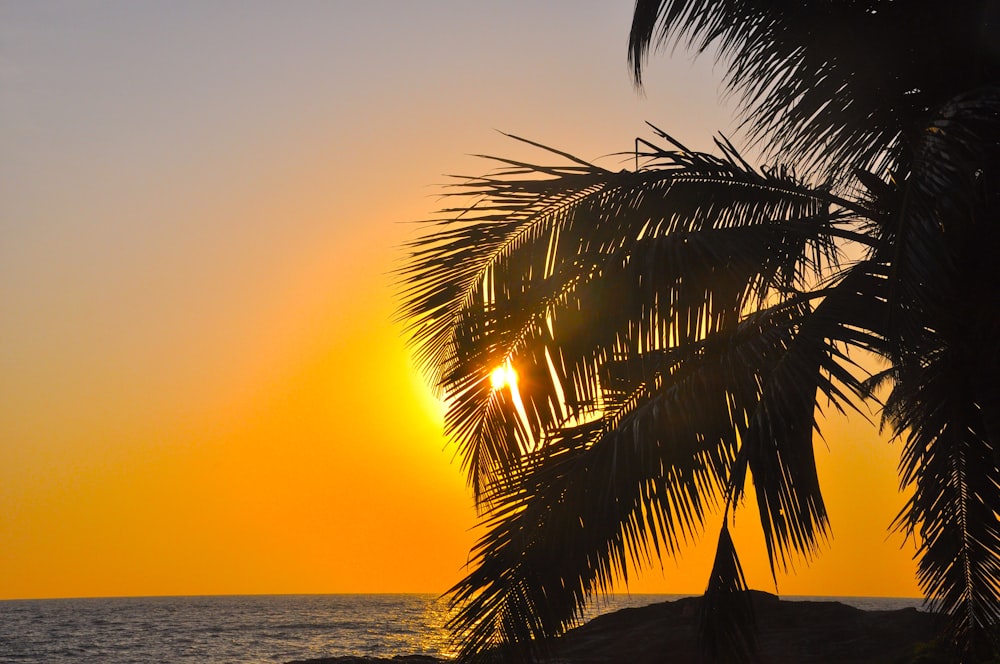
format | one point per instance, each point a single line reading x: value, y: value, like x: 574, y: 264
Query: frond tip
x: 728, y: 624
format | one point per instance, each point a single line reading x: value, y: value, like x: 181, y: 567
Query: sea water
x: 250, y: 629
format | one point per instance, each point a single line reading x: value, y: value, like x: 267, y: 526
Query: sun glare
x: 503, y: 376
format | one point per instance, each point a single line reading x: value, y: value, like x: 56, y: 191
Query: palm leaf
x: 945, y: 398
x: 554, y: 273
x: 840, y: 84
x: 664, y: 326
x: 579, y: 511
x: 618, y: 490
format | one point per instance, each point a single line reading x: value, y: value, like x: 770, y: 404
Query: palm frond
x: 556, y: 273
x: 621, y: 489
x: 666, y: 324
x: 636, y: 483
x: 951, y: 466
x: 945, y: 399
x: 840, y: 84
x: 814, y: 368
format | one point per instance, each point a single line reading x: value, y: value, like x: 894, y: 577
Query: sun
x: 503, y: 376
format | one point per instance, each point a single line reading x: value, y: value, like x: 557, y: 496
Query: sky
x: 203, y: 387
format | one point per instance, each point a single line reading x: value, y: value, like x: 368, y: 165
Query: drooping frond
x: 814, y: 369
x: 945, y: 326
x: 558, y: 270
x: 841, y: 84
x: 632, y: 484
x: 576, y: 513
x: 728, y: 623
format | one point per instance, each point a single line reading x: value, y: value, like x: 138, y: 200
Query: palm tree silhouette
x: 678, y: 327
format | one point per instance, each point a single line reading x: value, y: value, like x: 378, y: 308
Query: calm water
x: 246, y: 629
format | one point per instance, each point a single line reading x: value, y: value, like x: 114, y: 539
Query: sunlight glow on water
x: 245, y: 629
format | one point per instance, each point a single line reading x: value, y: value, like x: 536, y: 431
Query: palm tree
x: 680, y: 326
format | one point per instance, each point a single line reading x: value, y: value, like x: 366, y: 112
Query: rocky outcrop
x: 351, y: 659
x: 789, y: 632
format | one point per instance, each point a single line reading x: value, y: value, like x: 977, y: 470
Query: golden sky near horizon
x: 202, y: 389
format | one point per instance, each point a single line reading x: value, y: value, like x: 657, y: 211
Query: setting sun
x: 503, y: 376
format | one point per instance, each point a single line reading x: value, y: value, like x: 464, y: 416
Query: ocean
x: 251, y: 629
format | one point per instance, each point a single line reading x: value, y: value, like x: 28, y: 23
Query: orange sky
x: 201, y: 389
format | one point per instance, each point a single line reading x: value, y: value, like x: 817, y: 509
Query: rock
x: 788, y: 632
x: 351, y: 659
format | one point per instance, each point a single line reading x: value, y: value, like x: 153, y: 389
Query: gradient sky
x: 201, y: 203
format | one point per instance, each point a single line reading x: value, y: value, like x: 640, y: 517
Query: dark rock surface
x: 350, y: 659
x: 792, y: 632
x: 788, y: 631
